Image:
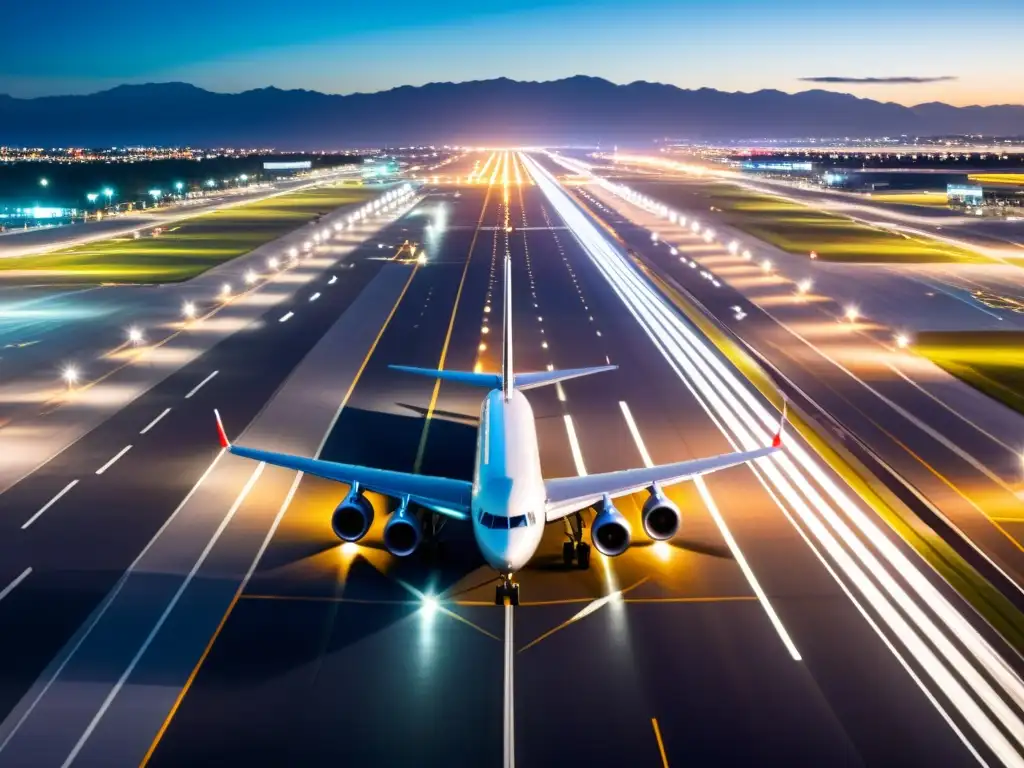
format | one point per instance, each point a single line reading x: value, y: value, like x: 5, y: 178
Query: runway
x: 351, y: 667
x: 750, y: 639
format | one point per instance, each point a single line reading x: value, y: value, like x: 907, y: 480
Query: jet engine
x: 402, y: 532
x: 660, y: 516
x: 353, y: 517
x: 610, y: 532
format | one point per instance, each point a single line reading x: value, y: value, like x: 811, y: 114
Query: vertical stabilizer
x: 507, y: 375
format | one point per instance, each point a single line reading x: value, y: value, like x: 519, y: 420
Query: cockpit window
x: 496, y: 522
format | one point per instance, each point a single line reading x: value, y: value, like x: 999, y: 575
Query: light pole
x: 108, y: 192
x: 155, y: 194
x: 178, y: 186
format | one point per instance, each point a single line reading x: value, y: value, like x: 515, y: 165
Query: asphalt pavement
x: 662, y: 656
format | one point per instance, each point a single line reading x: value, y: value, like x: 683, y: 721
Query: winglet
x: 777, y: 440
x: 220, y: 431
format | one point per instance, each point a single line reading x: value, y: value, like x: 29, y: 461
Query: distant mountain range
x: 574, y: 110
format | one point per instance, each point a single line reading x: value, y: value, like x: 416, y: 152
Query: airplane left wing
x: 439, y: 494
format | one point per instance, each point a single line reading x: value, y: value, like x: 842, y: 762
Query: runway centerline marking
x: 509, y: 711
x: 113, y: 460
x: 17, y: 580
x: 49, y: 504
x: 285, y: 318
x: 200, y: 385
x: 163, y: 617
x: 154, y: 422
x: 314, y: 297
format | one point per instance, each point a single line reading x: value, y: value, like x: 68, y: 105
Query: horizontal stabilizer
x: 488, y: 380
x: 543, y: 378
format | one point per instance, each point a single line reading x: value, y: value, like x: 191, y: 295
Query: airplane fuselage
x: 507, y: 506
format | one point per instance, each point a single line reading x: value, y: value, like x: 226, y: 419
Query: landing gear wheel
x: 568, y: 553
x: 507, y: 589
x: 583, y: 556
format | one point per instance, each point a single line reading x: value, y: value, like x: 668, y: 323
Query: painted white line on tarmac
x: 105, y: 606
x: 287, y: 317
x: 110, y: 463
x: 154, y: 422
x: 201, y: 384
x: 314, y: 297
x: 49, y: 504
x: 163, y: 617
x: 574, y: 445
x: 10, y: 587
x: 509, y: 709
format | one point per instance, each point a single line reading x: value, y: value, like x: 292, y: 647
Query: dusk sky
x: 966, y: 53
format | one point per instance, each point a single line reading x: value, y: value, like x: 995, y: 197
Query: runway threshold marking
x: 49, y: 504
x: 17, y: 580
x: 270, y: 533
x: 737, y: 554
x: 154, y: 422
x: 113, y: 460
x: 200, y: 385
x: 421, y: 449
x: 661, y: 744
x: 163, y: 617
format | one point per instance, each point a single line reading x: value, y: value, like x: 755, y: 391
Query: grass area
x: 796, y: 228
x: 991, y: 361
x: 186, y: 249
x: 1016, y: 179
x: 929, y: 199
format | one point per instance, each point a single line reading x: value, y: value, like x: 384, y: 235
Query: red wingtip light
x: 777, y: 440
x: 220, y: 431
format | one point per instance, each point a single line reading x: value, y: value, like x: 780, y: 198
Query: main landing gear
x: 574, y: 548
x: 507, y: 589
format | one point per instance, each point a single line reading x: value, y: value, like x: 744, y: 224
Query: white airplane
x: 509, y: 501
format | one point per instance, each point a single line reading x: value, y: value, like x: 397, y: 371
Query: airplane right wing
x: 440, y: 494
x: 571, y: 494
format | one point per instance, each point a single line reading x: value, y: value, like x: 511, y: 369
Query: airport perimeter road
x: 955, y: 445
x: 783, y: 626
x: 71, y: 529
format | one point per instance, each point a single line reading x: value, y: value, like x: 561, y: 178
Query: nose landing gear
x: 574, y: 548
x: 507, y: 589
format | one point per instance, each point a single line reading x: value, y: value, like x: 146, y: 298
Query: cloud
x: 878, y: 80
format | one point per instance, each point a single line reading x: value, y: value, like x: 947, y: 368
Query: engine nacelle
x: 610, y: 532
x: 402, y: 532
x: 353, y: 517
x: 661, y: 518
